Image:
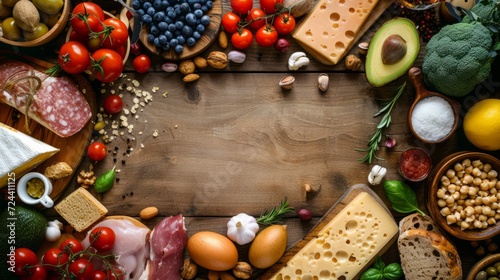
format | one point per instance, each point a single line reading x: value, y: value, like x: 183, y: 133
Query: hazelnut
x: 393, y: 49
x: 217, y: 60
x: 242, y: 270
x: 352, y: 62
x: 189, y: 269
x: 187, y: 67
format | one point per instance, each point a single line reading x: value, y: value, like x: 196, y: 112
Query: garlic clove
x: 53, y: 231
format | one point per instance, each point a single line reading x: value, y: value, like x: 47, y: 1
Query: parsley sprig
x: 274, y: 215
x: 384, y: 123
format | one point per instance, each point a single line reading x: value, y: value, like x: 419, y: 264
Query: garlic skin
x: 376, y: 175
x: 53, y: 231
x: 242, y: 228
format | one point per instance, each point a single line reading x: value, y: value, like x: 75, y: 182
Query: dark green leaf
x: 379, y: 264
x: 105, y: 181
x: 372, y: 274
x: 392, y: 271
x: 402, y: 197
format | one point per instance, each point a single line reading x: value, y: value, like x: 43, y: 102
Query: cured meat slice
x: 167, y: 243
x: 58, y: 104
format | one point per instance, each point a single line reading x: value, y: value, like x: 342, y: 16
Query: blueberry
x: 196, y: 35
x: 168, y: 34
x: 204, y: 8
x: 200, y: 28
x: 147, y: 5
x: 187, y: 31
x: 154, y: 30
x: 151, y: 11
x: 184, y: 8
x: 163, y: 26
x: 157, y: 4
x: 171, y: 14
x: 136, y: 4
x: 198, y: 12
x: 163, y: 39
x: 190, y: 19
x: 181, y: 40
x: 156, y: 42
x: 173, y: 42
x: 168, y: 20
x: 141, y: 12
x: 171, y: 27
x: 166, y: 47
x: 190, y: 41
x: 179, y: 25
x: 178, y: 49
x: 203, y: 2
x: 209, y: 4
x: 192, y: 2
x: 205, y: 20
x: 158, y: 17
x: 147, y: 19
x: 151, y: 38
x: 164, y: 4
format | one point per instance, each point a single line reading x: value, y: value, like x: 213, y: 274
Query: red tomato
x: 142, y: 63
x: 113, y: 104
x: 266, y: 36
x: 73, y: 57
x: 83, y: 269
x: 115, y: 274
x: 121, y: 51
x: 106, y: 65
x: 38, y: 273
x: 89, y: 8
x: 269, y: 6
x: 242, y: 39
x: 71, y: 246
x: 85, y: 24
x: 54, y: 258
x: 241, y: 7
x: 99, y: 275
x: 25, y: 261
x: 256, y: 18
x: 102, y: 238
x: 284, y: 23
x: 74, y: 36
x: 96, y: 151
x: 115, y: 34
x: 230, y: 22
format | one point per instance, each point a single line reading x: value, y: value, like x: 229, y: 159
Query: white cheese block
x: 346, y: 245
x: 330, y: 28
x: 20, y: 152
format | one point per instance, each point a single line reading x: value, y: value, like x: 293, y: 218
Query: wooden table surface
x: 234, y: 141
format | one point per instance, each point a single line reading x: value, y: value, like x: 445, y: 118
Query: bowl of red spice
x: 463, y: 195
x: 415, y: 164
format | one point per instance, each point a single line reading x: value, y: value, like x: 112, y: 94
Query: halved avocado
x: 378, y: 73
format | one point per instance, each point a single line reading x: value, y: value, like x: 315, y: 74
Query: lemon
x: 482, y: 124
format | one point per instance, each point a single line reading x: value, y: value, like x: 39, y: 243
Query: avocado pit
x: 393, y: 49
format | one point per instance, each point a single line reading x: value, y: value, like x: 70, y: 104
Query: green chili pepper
x: 105, y: 181
x: 403, y: 198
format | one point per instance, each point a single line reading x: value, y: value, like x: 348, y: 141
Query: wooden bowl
x: 482, y: 265
x: 416, y: 77
x: 434, y: 184
x: 49, y: 36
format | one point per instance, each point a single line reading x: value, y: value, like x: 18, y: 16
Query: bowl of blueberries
x: 178, y: 29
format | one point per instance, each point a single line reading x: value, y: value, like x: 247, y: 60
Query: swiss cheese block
x: 20, y: 152
x: 346, y: 245
x: 330, y: 28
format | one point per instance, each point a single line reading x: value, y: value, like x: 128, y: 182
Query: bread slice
x: 81, y: 209
x: 428, y: 255
x: 418, y: 221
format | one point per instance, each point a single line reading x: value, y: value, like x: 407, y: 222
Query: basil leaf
x: 372, y: 274
x: 392, y: 271
x: 378, y: 264
x: 105, y: 181
x: 403, y: 198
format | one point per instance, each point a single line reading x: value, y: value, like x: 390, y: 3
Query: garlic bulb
x: 53, y: 231
x: 242, y: 228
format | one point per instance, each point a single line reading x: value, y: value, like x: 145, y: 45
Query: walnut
x: 189, y: 269
x: 224, y: 275
x: 187, y: 67
x: 243, y: 270
x: 87, y: 179
x: 213, y: 275
x: 352, y: 62
x: 217, y: 60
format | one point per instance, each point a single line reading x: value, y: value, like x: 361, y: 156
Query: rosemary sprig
x: 274, y: 216
x: 384, y: 123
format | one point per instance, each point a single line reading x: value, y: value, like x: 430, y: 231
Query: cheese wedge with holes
x: 347, y: 245
x: 19, y: 153
x: 329, y: 29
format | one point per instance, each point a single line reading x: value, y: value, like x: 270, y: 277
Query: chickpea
x: 463, y: 196
x: 464, y: 189
x: 469, y: 211
x: 441, y: 193
x: 450, y: 173
x: 497, y: 185
x: 493, y: 199
x: 464, y: 225
x: 486, y: 200
x: 477, y: 163
x: 468, y: 169
x: 468, y: 202
x: 484, y: 186
x: 477, y: 224
x: 467, y: 179
x: 483, y: 175
x: 445, y: 181
x: 477, y: 181
x: 451, y: 219
x: 482, y: 218
x: 486, y: 210
x: 458, y: 167
x: 491, y: 221
x: 466, y: 162
x: 456, y: 195
x: 487, y: 167
x: 476, y: 172
x: 455, y: 180
x: 445, y: 211
x: 478, y: 209
x: 460, y: 174
x: 494, y: 205
x: 492, y: 174
x: 441, y: 203
x: 472, y: 191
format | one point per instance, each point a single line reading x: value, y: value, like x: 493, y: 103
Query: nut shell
x: 217, y: 60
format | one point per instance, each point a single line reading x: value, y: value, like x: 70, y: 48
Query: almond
x: 190, y: 78
x: 148, y: 213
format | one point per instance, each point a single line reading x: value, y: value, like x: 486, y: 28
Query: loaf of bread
x: 428, y: 255
x: 81, y: 209
x: 418, y: 221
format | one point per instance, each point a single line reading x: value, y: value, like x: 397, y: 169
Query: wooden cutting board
x: 348, y: 196
x: 72, y: 149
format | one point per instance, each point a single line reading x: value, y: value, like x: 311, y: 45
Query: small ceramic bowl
x: 482, y: 265
x: 43, y: 195
x: 50, y: 35
x: 415, y: 164
x: 434, y: 184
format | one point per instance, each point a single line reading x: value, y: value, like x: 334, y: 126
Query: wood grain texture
x: 71, y: 149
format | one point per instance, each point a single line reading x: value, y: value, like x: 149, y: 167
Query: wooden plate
x: 348, y: 196
x: 205, y: 41
x: 72, y: 149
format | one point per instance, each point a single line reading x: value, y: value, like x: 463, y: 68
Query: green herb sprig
x: 384, y: 123
x: 274, y: 215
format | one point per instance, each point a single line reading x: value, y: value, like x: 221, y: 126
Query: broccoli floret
x: 485, y: 10
x: 458, y: 58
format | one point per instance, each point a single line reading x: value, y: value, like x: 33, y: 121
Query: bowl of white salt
x: 433, y: 117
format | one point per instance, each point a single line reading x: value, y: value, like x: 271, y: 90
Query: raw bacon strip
x: 58, y: 104
x: 167, y: 243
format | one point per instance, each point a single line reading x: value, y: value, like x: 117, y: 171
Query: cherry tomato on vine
x: 54, y: 257
x: 115, y: 35
x: 96, y: 151
x: 142, y: 63
x: 39, y: 273
x: 71, y: 246
x: 106, y: 65
x: 102, y: 238
x: 242, y: 39
x: 74, y: 36
x: 256, y: 18
x: 269, y: 6
x: 266, y: 36
x: 115, y: 274
x: 284, y: 23
x: 84, y: 24
x: 82, y: 268
x: 73, y: 57
x: 89, y: 8
x: 113, y: 104
x: 230, y: 22
x: 99, y: 275
x: 241, y: 7
x: 25, y: 261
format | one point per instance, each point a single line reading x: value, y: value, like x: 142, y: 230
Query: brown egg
x: 268, y: 246
x: 212, y: 251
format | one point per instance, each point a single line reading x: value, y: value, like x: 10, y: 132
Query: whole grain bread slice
x: 418, y: 221
x: 428, y: 255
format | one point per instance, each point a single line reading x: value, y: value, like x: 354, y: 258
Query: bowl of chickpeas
x: 463, y: 195
x: 486, y: 268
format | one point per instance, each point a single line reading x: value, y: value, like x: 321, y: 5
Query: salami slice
x: 57, y: 103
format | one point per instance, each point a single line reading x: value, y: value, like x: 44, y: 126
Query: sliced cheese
x: 346, y: 245
x: 329, y: 29
x: 20, y: 152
